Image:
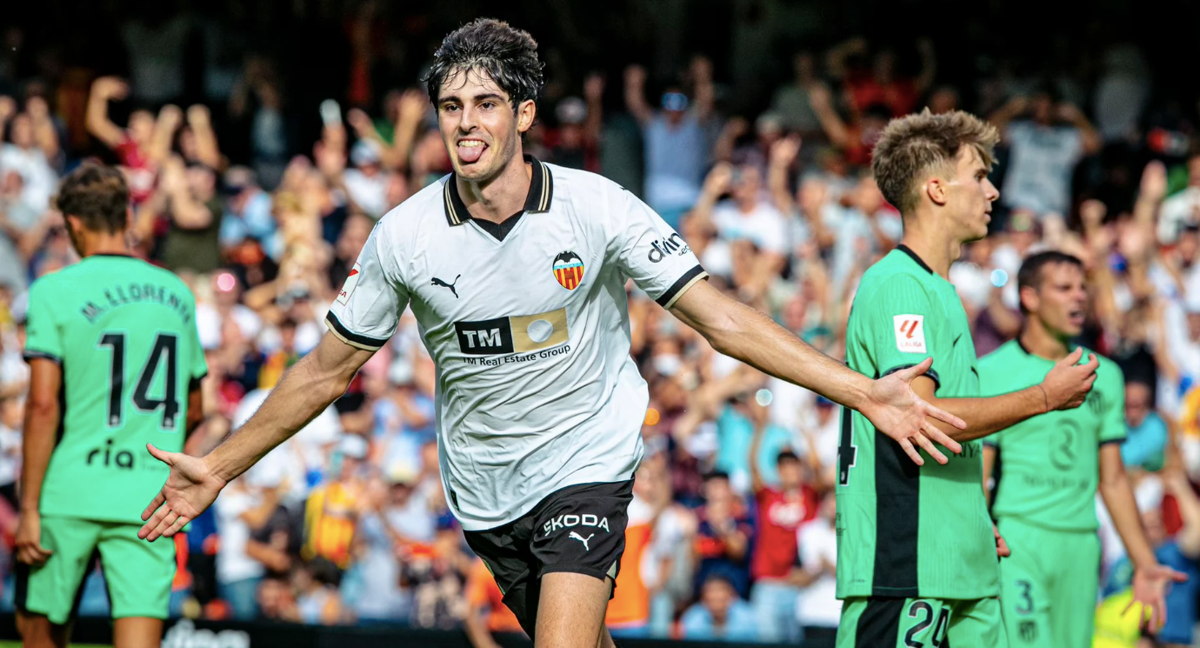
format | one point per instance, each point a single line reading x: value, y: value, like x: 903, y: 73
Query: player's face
x: 478, y: 126
x: 970, y: 195
x: 1062, y: 299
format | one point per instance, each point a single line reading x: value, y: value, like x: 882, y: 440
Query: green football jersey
x: 1049, y: 465
x: 125, y: 335
x: 903, y: 530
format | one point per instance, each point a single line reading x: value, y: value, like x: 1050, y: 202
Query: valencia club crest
x: 568, y: 270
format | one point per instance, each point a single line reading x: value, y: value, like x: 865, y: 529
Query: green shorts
x: 138, y: 573
x: 1048, y: 585
x: 920, y: 623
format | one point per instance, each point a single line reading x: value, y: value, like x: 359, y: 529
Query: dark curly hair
x: 97, y: 195
x: 508, y: 55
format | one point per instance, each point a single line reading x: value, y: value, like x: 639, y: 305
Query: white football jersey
x: 536, y: 389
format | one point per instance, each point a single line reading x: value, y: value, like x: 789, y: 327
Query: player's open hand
x: 29, y: 540
x: 191, y: 487
x: 896, y: 410
x: 1150, y: 590
x: 1068, y: 382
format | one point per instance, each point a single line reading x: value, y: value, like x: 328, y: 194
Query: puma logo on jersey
x: 576, y: 536
x: 443, y: 284
x: 568, y: 521
x: 910, y: 333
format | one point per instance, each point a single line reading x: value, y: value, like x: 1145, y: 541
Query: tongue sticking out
x: 470, y: 154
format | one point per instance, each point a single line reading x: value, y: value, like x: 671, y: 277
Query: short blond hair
x: 912, y: 146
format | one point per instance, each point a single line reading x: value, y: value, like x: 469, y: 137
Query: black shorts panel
x: 578, y: 529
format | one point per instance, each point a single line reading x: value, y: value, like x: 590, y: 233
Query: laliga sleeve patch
x: 910, y: 333
x: 348, y: 287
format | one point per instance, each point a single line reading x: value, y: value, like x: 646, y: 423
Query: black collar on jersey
x: 907, y: 250
x: 1022, y: 345
x: 541, y: 190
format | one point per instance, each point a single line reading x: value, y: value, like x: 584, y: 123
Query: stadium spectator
x: 817, y: 608
x: 676, y: 143
x: 720, y: 615
x: 1146, y: 440
x: 782, y: 506
x: 1046, y: 139
x: 722, y: 544
x: 332, y: 510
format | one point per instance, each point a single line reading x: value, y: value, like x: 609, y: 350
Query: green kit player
x: 116, y: 364
x: 917, y: 553
x: 1050, y: 469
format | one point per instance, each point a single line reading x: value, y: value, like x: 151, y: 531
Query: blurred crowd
x: 731, y: 531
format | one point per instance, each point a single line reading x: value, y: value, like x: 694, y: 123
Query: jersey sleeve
x: 648, y: 250
x: 1112, y: 423
x: 904, y: 326
x: 43, y: 333
x: 368, y: 307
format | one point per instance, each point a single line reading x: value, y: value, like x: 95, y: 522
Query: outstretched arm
x: 1064, y: 387
x: 741, y: 332
x: 305, y: 391
x: 1150, y: 579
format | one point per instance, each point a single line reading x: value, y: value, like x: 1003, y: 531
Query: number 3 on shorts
x: 929, y: 625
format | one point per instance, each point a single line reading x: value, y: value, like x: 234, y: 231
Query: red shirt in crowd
x: 140, y: 174
x: 778, y: 519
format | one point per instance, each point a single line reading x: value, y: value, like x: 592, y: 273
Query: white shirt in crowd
x: 1042, y: 159
x: 529, y: 331
x: 765, y: 226
x: 1177, y: 211
x: 209, y: 322
x: 10, y: 455
x: 369, y: 192
x: 38, y: 177
x: 232, y: 562
x: 818, y: 604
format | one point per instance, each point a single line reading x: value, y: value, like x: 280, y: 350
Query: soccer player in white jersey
x: 515, y: 271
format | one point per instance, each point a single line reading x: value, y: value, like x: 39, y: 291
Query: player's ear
x: 936, y: 189
x: 526, y: 113
x: 1029, y: 298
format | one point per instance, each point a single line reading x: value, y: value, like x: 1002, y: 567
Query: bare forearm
x: 47, y: 138
x: 1188, y: 537
x: 750, y: 336
x: 636, y: 104
x: 777, y: 181
x: 1122, y: 507
x: 36, y: 448
x: 206, y: 146
x: 189, y: 213
x: 302, y: 394
x: 987, y: 415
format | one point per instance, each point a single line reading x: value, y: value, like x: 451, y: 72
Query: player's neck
x: 93, y: 244
x: 500, y: 197
x: 936, y: 249
x: 1038, y: 341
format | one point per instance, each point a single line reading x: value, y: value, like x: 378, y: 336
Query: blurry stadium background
x: 263, y: 138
